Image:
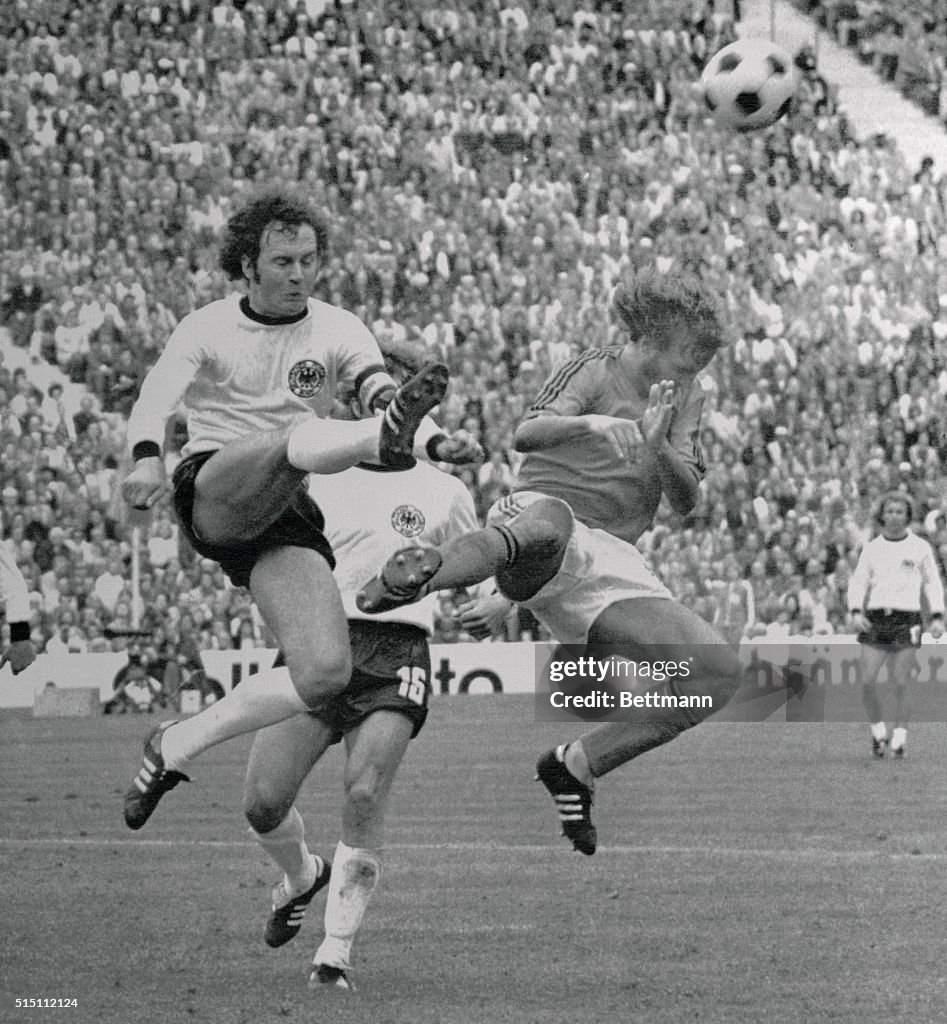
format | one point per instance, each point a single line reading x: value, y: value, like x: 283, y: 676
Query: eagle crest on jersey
x: 407, y: 520
x: 306, y: 378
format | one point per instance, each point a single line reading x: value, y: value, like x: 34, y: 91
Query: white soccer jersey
x: 238, y: 376
x: 13, y: 590
x: 893, y: 574
x: 372, y: 512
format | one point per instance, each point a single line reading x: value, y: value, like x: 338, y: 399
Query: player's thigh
x: 874, y: 660
x: 281, y: 757
x: 658, y: 627
x: 543, y: 530
x: 244, y: 486
x: 374, y: 750
x: 298, y: 598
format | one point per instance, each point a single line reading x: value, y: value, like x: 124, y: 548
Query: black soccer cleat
x: 326, y: 977
x: 898, y: 753
x: 879, y: 748
x: 152, y: 781
x: 573, y: 800
x: 288, y: 911
x: 412, y: 402
x: 401, y: 581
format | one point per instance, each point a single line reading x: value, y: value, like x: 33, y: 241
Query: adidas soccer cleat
x: 288, y: 911
x: 879, y: 748
x: 152, y: 781
x: 326, y: 977
x: 897, y: 753
x: 573, y: 800
x: 401, y: 580
x: 412, y: 402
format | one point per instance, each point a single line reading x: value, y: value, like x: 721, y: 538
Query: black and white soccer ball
x: 749, y: 84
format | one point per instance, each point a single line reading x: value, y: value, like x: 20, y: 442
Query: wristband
x: 938, y: 615
x: 855, y: 611
x: 19, y: 631
x: 431, y: 446
x: 146, y: 450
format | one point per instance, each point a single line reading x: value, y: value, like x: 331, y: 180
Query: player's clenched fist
x: 145, y: 483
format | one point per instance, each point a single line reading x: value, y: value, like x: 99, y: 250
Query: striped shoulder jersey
x: 603, y: 492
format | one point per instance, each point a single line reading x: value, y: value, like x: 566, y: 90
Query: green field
x: 747, y: 873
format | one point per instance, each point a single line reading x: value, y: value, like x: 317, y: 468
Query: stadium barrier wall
x: 476, y: 668
x: 456, y: 668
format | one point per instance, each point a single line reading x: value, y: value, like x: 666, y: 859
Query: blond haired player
x: 257, y: 376
x: 371, y: 511
x: 895, y: 570
x: 611, y: 433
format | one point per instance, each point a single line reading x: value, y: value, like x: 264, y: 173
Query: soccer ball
x: 748, y: 84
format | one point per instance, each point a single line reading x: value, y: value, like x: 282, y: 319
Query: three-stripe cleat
x: 152, y: 781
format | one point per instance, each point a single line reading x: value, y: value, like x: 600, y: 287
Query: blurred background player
x: 15, y: 596
x: 370, y: 511
x: 611, y: 432
x: 895, y: 571
x: 257, y: 374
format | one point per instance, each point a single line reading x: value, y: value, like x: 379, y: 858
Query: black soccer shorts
x: 300, y: 525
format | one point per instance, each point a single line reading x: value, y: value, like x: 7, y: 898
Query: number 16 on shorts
x: 413, y: 683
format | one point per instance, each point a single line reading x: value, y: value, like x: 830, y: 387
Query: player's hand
x: 658, y: 414
x: 459, y: 449
x: 623, y: 436
x: 858, y: 622
x: 483, y: 616
x: 145, y: 484
x: 19, y: 655
x: 936, y: 628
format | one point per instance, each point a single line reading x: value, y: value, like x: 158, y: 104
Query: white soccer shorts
x: 597, y: 570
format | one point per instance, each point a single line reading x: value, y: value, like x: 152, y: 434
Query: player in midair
x: 371, y: 511
x: 895, y: 571
x: 257, y: 374
x: 611, y: 433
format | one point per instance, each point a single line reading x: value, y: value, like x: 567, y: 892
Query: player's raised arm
x: 680, y: 470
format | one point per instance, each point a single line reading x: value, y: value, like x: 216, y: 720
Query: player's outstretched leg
x: 573, y: 800
x: 286, y: 917
x: 411, y: 403
x: 402, y: 580
x: 152, y: 781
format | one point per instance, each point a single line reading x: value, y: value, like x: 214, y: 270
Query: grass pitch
x: 746, y: 873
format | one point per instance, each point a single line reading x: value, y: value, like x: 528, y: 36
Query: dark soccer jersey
x: 604, y: 492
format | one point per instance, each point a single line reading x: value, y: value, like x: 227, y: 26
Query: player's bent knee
x: 264, y: 811
x: 317, y: 679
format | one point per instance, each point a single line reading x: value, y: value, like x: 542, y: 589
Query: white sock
x: 575, y: 760
x: 260, y: 700
x: 879, y: 731
x: 899, y: 737
x: 286, y: 844
x: 329, y: 446
x: 355, y: 873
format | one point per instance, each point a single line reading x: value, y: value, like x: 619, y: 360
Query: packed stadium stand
x: 487, y: 171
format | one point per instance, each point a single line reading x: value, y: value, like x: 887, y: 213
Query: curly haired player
x: 257, y: 375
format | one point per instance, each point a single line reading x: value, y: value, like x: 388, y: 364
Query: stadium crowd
x: 486, y: 172
x: 904, y: 43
